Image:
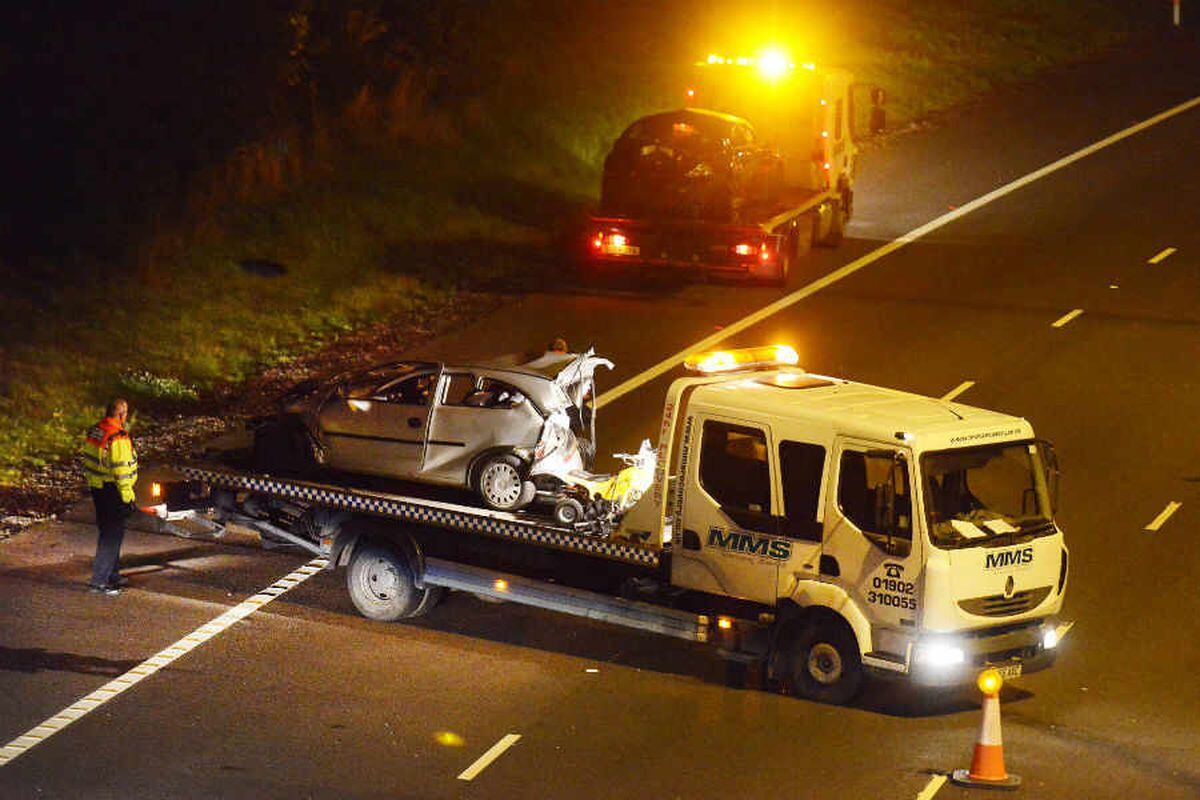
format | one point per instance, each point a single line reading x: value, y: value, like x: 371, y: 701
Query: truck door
x: 731, y: 542
x: 801, y: 477
x: 879, y: 564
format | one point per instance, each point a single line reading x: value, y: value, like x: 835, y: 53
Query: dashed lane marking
x: 846, y: 271
x: 1162, y: 255
x: 89, y: 703
x: 1065, y: 318
x: 1163, y: 516
x: 931, y: 788
x: 494, y: 752
x: 957, y: 390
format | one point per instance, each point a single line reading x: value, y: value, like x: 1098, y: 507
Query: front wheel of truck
x: 382, y: 586
x: 825, y: 665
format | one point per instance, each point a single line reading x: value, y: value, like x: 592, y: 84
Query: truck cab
x: 874, y: 528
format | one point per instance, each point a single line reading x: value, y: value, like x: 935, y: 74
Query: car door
x: 384, y: 432
x: 730, y: 540
x: 475, y: 414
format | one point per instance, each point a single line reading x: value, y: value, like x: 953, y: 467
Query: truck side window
x: 803, y: 466
x: 859, y: 477
x: 733, y: 467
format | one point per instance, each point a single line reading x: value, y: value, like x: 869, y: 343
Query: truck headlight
x: 939, y: 653
x: 1049, y: 639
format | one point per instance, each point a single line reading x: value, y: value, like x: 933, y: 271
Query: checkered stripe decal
x: 427, y: 512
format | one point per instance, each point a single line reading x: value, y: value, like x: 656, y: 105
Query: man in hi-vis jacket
x: 110, y: 465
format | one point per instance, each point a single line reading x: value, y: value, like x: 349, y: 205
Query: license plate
x: 1009, y: 671
x: 621, y: 250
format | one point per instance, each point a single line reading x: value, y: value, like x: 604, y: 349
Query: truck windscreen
x: 982, y: 493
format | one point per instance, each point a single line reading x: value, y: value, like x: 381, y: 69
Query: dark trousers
x: 110, y: 519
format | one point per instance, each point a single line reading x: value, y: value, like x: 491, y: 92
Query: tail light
x: 744, y: 249
x: 766, y: 252
x: 614, y: 243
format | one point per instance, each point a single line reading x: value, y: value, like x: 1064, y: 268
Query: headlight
x: 1049, y: 639
x: 939, y: 654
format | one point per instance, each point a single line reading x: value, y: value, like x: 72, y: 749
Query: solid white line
x: 1161, y: 519
x: 491, y: 755
x: 787, y: 301
x: 931, y: 788
x: 85, y: 705
x: 957, y: 390
x: 1165, y: 254
x: 1065, y: 318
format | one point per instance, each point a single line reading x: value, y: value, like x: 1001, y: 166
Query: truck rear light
x: 614, y: 243
x: 765, y: 253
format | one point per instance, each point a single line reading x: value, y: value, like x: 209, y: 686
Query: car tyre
x: 825, y: 664
x: 568, y: 512
x: 500, y: 482
x: 382, y: 586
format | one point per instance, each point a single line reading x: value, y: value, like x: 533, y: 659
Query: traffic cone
x: 987, y: 765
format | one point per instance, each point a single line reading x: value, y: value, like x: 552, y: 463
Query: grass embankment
x: 403, y: 198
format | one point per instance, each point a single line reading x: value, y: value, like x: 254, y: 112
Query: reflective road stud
x: 987, y: 765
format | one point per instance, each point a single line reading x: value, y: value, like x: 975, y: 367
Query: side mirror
x: 1049, y: 459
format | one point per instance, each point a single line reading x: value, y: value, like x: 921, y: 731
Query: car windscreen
x: 977, y: 494
x: 689, y: 133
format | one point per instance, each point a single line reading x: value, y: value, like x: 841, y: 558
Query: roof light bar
x: 715, y: 361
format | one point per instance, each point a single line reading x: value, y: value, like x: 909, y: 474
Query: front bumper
x: 1020, y: 647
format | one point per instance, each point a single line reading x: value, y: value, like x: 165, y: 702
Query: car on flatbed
x: 472, y: 426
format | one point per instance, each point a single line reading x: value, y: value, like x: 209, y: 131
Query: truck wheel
x: 499, y: 481
x: 382, y: 586
x: 837, y: 226
x: 825, y: 664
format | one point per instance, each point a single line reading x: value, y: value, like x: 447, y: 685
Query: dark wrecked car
x: 480, y: 427
x: 689, y: 164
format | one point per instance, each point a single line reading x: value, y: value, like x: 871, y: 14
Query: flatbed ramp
x: 421, y: 511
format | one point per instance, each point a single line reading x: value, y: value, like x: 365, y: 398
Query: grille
x: 997, y: 605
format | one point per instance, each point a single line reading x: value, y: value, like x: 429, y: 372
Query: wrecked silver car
x: 478, y: 427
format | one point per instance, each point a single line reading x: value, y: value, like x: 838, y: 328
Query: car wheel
x: 825, y: 663
x: 501, y: 484
x: 382, y: 586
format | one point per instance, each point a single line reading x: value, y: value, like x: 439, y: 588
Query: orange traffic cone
x: 987, y: 765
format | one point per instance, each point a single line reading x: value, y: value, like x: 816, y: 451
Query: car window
x: 414, y: 391
x: 491, y: 393
x: 458, y: 388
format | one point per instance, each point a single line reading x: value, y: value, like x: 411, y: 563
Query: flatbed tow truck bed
x: 231, y: 496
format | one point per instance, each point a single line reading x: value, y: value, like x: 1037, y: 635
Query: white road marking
x: 1161, y: 519
x: 1065, y: 318
x: 1162, y: 256
x: 787, y: 301
x: 931, y: 788
x: 957, y: 390
x: 496, y: 750
x: 89, y: 703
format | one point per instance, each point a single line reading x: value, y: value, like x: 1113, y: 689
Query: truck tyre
x: 500, y: 481
x: 837, y: 225
x: 825, y: 663
x: 382, y: 586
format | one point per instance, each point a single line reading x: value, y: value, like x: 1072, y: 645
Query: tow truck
x: 811, y: 527
x: 801, y: 113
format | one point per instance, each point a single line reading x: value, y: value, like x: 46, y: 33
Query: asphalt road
x: 306, y: 699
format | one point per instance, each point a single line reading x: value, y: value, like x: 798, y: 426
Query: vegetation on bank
x: 406, y: 154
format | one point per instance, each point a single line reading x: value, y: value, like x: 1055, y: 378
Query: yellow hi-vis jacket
x: 108, y: 457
